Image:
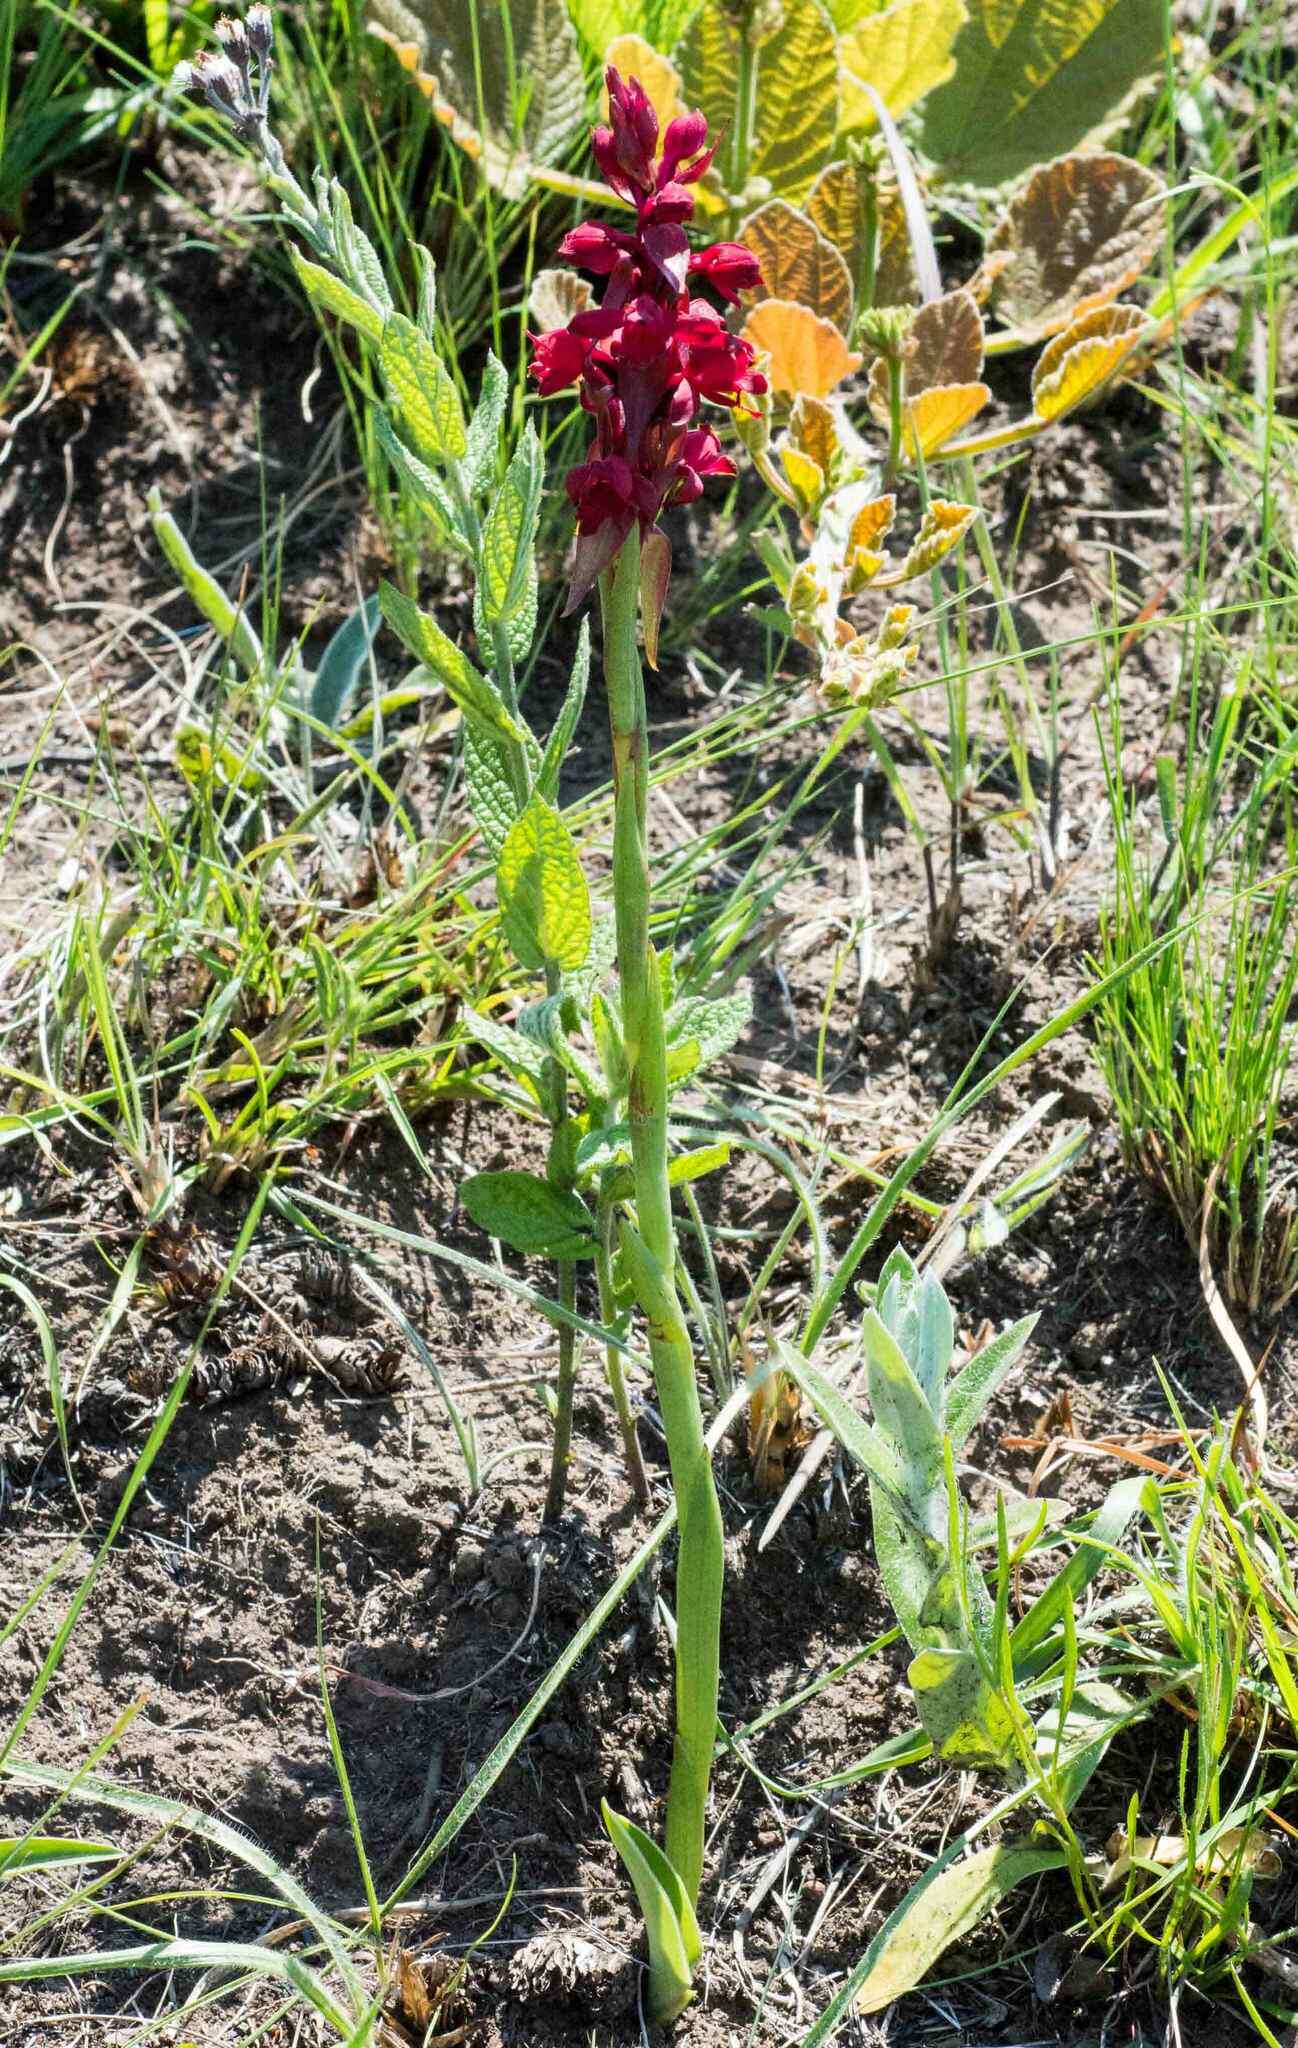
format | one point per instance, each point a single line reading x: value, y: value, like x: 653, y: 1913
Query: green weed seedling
x: 923, y: 1536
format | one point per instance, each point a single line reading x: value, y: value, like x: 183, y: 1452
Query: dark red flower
x: 595, y: 248
x: 728, y: 267
x: 648, y: 355
x: 558, y: 360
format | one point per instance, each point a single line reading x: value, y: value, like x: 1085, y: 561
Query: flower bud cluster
x: 649, y: 355
x: 235, y: 79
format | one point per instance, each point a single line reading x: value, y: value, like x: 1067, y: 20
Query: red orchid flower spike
x: 649, y: 354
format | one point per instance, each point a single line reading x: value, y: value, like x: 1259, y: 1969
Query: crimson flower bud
x: 635, y: 127
x: 728, y: 267
x: 593, y: 247
x: 683, y: 138
x: 558, y: 360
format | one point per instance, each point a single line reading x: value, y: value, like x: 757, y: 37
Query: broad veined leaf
x: 865, y: 220
x: 706, y: 62
x: 509, y: 532
x: 520, y: 626
x: 943, y: 348
x: 937, y: 416
x: 1033, y: 78
x: 904, y: 52
x: 544, y: 901
x: 942, y: 528
x: 525, y: 1212
x: 518, y: 1055
x: 1082, y: 229
x: 493, y: 802
x: 816, y: 430
x: 966, y: 1719
x: 422, y: 391
x: 602, y: 22
x: 798, y: 262
x: 424, y: 485
x: 599, y: 21
x: 804, y: 353
x: 333, y: 296
x: 797, y: 93
x: 942, y: 360
x: 1072, y: 367
x: 711, y: 1024
x: 805, y: 475
x: 947, y: 1903
x: 484, y: 428
x: 797, y: 99
x: 465, y: 686
x: 635, y: 58
x: 865, y: 553
x: 556, y: 296
x: 522, y: 54
x: 944, y: 344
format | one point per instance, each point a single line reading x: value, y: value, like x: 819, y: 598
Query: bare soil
x: 305, y: 1507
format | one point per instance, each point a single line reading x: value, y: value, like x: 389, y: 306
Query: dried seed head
x: 261, y: 30
x: 225, y: 77
x: 216, y: 77
x: 232, y: 36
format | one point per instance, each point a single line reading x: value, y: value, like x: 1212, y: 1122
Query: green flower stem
x: 555, y: 1093
x: 650, y: 1248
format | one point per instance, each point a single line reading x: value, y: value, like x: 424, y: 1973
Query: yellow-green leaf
x: 798, y: 262
x: 816, y: 429
x: 843, y: 202
x: 796, y: 98
x: 422, y: 391
x: 330, y: 293
x: 544, y: 901
x: 509, y: 533
x: 804, y: 352
x: 947, y: 1903
x: 964, y: 1717
x: 904, y: 52
x: 706, y: 62
x: 1082, y: 229
x: 1072, y: 367
x: 1033, y: 78
x: 504, y: 77
x: 942, y: 528
x: 936, y: 416
x: 529, y: 1215
x: 635, y: 58
x: 464, y: 685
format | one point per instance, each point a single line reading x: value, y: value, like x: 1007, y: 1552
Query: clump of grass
x: 1196, y: 1045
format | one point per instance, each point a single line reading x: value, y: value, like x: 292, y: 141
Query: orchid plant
x: 644, y: 362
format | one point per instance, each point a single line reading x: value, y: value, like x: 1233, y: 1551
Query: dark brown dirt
x: 201, y: 1628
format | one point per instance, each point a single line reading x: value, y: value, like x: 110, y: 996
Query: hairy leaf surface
x: 1033, y: 78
